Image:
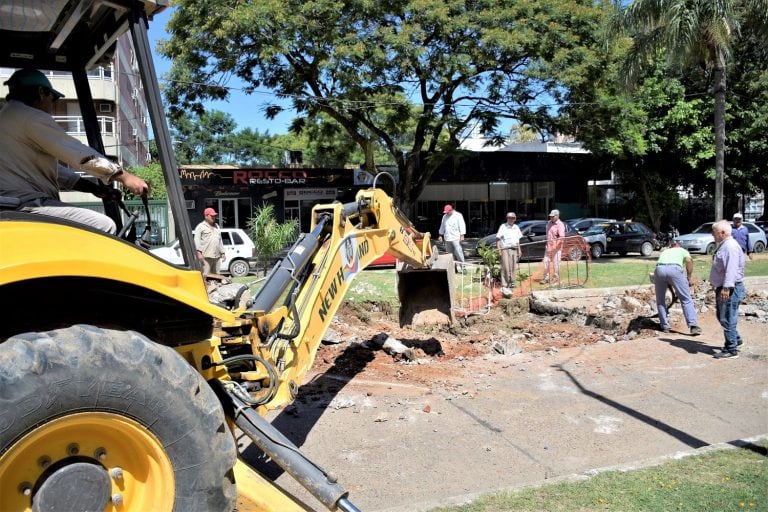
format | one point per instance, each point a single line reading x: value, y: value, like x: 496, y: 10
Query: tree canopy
x: 410, y: 76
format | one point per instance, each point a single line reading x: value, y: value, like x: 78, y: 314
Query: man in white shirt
x: 453, y: 229
x: 508, y: 243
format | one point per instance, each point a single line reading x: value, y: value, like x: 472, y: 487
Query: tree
x: 204, y: 138
x: 747, y: 149
x: 691, y: 33
x: 152, y: 173
x: 388, y: 73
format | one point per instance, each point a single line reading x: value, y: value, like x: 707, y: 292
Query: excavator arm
x: 294, y: 308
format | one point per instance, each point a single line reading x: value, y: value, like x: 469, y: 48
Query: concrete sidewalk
x: 505, y: 422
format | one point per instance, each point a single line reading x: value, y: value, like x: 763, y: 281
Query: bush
x: 268, y: 235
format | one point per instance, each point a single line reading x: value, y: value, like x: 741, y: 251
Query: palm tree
x: 691, y: 32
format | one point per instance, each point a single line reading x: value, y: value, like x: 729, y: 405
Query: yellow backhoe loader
x: 121, y: 383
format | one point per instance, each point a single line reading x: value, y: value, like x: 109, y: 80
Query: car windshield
x: 596, y: 229
x: 704, y: 228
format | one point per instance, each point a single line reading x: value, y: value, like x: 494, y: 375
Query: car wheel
x: 575, y: 253
x: 89, y: 404
x: 759, y: 247
x: 711, y: 249
x: 239, y: 268
x: 646, y: 249
x: 596, y: 250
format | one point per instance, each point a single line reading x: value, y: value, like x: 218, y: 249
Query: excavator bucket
x: 426, y: 295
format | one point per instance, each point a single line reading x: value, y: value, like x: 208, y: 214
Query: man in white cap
x: 555, y: 236
x: 208, y: 243
x: 32, y: 144
x: 740, y: 233
x: 453, y: 229
x: 508, y: 244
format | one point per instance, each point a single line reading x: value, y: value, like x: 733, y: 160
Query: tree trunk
x: 719, y: 94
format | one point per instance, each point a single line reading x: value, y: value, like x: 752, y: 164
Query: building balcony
x: 75, y: 127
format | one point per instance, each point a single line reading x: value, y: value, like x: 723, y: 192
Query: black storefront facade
x: 234, y: 192
x: 483, y: 186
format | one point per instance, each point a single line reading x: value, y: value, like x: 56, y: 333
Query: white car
x: 701, y: 239
x: 238, y: 252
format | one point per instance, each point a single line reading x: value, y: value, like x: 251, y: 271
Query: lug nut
x: 116, y: 473
x: 117, y: 499
x: 44, y: 461
x: 25, y: 488
x: 73, y: 449
x: 100, y: 454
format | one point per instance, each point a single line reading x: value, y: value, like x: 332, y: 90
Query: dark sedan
x: 534, y: 241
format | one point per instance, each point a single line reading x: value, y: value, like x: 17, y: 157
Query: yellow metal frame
x: 34, y: 250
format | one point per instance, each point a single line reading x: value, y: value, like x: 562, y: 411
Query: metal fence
x: 158, y: 210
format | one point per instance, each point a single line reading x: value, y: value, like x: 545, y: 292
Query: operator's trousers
x: 508, y: 267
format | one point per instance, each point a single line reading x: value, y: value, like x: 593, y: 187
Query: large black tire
x: 711, y: 249
x: 646, y: 249
x: 82, y: 374
x: 596, y: 250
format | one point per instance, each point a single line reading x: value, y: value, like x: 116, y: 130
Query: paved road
x: 511, y: 421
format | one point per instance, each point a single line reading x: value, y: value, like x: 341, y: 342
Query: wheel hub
x: 81, y: 486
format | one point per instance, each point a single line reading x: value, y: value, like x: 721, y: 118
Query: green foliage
x: 153, y: 175
x: 268, y: 235
x: 491, y: 259
x: 409, y: 77
x: 731, y: 479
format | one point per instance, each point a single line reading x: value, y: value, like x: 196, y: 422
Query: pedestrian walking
x: 740, y: 233
x: 208, y: 243
x: 553, y: 251
x: 508, y: 244
x: 452, y: 230
x: 669, y: 273
x: 727, y: 278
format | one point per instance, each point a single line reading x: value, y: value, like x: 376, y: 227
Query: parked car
x: 534, y: 241
x: 700, y: 240
x: 238, y: 252
x: 621, y: 238
x: 584, y: 223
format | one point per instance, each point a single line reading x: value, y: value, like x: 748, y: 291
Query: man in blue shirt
x: 740, y: 233
x: 727, y: 278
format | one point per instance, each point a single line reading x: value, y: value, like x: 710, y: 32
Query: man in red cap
x: 210, y: 248
x: 453, y: 229
x: 32, y: 144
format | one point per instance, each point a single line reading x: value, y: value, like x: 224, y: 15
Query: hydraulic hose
x: 282, y: 451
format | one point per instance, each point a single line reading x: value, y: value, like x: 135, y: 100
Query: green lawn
x: 721, y: 480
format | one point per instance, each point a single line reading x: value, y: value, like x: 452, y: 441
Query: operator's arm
x: 68, y: 179
x: 462, y: 227
x: 52, y: 139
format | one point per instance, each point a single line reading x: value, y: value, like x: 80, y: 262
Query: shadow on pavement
x: 669, y: 429
x: 312, y: 401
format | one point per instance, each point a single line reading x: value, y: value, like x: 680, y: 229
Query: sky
x: 246, y: 110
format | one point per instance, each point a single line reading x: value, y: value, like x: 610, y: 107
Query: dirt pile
x: 362, y: 336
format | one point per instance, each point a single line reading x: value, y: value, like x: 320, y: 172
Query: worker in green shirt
x: 674, y: 269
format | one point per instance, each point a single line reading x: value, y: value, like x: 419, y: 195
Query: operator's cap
x: 554, y: 212
x: 31, y: 78
x: 738, y: 216
x: 447, y: 208
x: 210, y: 211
